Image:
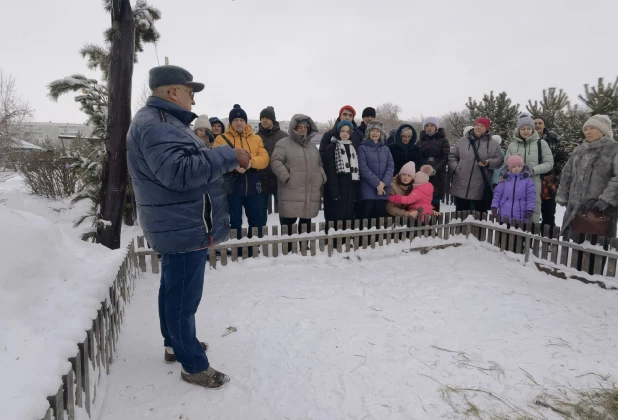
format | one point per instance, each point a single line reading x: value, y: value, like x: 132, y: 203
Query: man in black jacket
x: 369, y: 114
x: 345, y: 113
x: 271, y: 133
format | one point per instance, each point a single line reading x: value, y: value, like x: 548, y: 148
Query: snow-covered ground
x: 386, y: 336
x: 51, y: 286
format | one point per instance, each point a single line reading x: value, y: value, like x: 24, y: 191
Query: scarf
x: 342, y: 163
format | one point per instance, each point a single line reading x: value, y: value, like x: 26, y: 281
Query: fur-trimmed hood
x: 505, y: 174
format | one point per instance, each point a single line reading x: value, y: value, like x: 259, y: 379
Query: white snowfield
x: 51, y: 285
x: 393, y: 335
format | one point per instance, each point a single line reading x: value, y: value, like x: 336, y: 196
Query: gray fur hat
x: 172, y: 75
x: 375, y: 124
x: 524, y: 120
x: 600, y: 121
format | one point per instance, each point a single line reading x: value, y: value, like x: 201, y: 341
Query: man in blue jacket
x: 182, y: 208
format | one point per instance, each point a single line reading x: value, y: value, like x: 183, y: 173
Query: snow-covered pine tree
x: 93, y: 99
x: 500, y: 111
x: 551, y: 106
x: 568, y: 126
x: 454, y: 124
x: 602, y: 99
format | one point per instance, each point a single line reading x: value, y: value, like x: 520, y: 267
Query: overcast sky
x: 313, y: 56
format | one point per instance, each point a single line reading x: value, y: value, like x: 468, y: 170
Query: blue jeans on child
x: 182, y: 283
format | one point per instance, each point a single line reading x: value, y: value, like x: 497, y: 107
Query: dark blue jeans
x: 182, y: 283
x: 256, y: 211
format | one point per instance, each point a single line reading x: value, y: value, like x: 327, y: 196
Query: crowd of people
x: 189, y: 180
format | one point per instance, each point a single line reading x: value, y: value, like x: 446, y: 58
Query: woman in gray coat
x: 296, y: 163
x: 590, y: 176
x: 468, y: 184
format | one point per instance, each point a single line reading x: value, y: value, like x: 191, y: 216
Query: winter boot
x: 171, y: 358
x: 208, y: 378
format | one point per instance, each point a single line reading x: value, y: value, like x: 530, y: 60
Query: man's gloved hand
x: 244, y: 158
x: 600, y: 205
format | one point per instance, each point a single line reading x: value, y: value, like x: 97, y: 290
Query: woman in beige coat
x: 300, y: 175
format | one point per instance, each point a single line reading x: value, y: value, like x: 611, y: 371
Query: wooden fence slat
x: 348, y: 226
x: 339, y: 241
x: 154, y: 263
x: 303, y: 244
x: 245, y: 248
x: 295, y: 243
x: 85, y: 371
x: 611, y: 262
x: 330, y: 238
x: 322, y: 241
x: 535, y: 244
x: 49, y: 414
x: 545, y: 246
x: 389, y: 223
x: 141, y: 258
x: 564, y: 253
x: 372, y: 238
x: 381, y: 236
x: 285, y: 248
x: 490, y: 231
x: 212, y: 258
x: 254, y: 249
x: 313, y: 241
x: 265, y: 246
x: 504, y: 236
x: 447, y: 230
x: 68, y: 383
x: 76, y: 365
x: 554, y: 247
x: 57, y: 404
x: 598, y: 260
x: 357, y: 234
x: 396, y: 224
x: 365, y: 237
x: 586, y: 256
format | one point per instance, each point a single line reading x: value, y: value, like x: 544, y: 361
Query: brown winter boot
x: 171, y: 358
x: 208, y: 378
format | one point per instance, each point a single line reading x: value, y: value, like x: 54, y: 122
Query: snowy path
x: 323, y: 338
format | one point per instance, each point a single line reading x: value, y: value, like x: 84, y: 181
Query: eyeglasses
x: 190, y: 92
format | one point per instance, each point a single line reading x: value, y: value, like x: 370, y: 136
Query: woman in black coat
x: 433, y: 150
x: 342, y: 175
x: 404, y: 148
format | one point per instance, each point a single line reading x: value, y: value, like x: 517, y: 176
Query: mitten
x: 600, y: 205
x: 529, y: 214
x: 494, y: 212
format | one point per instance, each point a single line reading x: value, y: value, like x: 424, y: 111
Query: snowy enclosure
x: 378, y: 334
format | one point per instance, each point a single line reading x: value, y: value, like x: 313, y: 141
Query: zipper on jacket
x: 513, y: 200
x: 207, y: 212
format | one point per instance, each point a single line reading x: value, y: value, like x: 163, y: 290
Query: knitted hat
x: 602, y: 122
x: 467, y: 130
x: 514, y: 160
x: 524, y: 120
x: 431, y: 120
x: 375, y: 124
x: 408, y: 169
x: 268, y: 112
x: 172, y: 75
x: 497, y: 138
x: 237, y: 112
x: 202, y: 122
x: 485, y: 121
x: 343, y: 123
x: 348, y: 107
x: 422, y: 176
x: 368, y: 112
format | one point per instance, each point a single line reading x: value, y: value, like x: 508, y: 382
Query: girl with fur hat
x: 421, y: 195
x: 535, y: 152
x: 515, y: 195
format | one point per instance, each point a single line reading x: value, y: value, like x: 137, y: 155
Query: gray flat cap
x: 172, y: 75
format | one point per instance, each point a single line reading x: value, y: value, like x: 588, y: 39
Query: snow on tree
x: 602, y: 99
x: 454, y: 124
x: 500, y: 111
x: 13, y: 110
x: 550, y: 107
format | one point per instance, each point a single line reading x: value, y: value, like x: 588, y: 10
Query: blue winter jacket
x: 181, y: 201
x: 375, y: 163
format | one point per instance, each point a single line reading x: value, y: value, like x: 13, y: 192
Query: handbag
x: 591, y: 222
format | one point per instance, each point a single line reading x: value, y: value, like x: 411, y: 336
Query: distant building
x: 56, y: 134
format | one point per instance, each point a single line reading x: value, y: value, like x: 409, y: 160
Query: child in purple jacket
x: 514, y: 196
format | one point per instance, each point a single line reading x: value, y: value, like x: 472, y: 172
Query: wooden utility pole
x: 122, y: 55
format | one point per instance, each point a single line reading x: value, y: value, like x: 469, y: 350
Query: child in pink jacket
x: 421, y: 195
